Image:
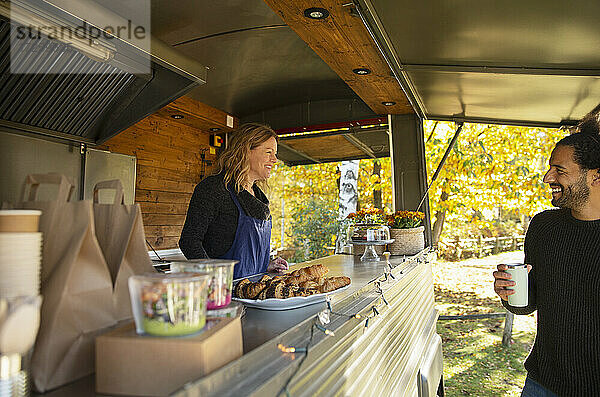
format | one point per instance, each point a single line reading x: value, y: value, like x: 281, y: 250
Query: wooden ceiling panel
x: 197, y: 115
x: 344, y: 43
x: 325, y: 147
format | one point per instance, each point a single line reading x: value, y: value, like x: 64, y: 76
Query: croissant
x: 306, y: 273
x: 252, y: 290
x: 310, y: 284
x: 333, y: 283
x: 237, y: 290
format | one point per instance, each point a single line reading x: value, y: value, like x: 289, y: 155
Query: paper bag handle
x: 65, y: 187
x: 112, y: 184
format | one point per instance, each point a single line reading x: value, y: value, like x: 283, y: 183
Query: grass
x: 475, y: 361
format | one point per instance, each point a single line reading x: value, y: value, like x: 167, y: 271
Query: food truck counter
x: 380, y: 339
x: 392, y: 348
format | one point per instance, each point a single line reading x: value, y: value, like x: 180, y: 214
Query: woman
x: 228, y: 216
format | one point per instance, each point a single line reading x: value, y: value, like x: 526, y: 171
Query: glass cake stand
x: 370, y: 255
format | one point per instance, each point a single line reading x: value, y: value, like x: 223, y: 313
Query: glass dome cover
x: 363, y: 232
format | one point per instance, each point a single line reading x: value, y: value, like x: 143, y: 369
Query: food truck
x: 147, y: 92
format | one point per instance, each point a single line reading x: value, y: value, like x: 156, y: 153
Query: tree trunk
x: 377, y: 202
x: 438, y: 225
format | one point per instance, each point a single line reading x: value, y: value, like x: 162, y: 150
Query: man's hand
x: 502, y: 281
x: 277, y: 265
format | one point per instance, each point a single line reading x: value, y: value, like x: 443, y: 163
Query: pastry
x: 307, y: 273
x: 265, y: 279
x: 252, y: 290
x: 333, y: 283
x: 310, y: 284
x: 237, y: 290
x: 275, y: 290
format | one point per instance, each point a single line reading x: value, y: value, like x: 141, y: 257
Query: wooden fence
x: 457, y: 249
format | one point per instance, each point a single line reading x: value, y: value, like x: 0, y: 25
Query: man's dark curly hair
x: 586, y: 141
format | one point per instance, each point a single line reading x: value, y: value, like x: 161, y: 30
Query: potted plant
x: 406, y: 228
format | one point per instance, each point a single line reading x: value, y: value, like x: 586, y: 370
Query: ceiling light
x: 215, y: 129
x: 388, y: 103
x: 316, y: 13
x: 361, y: 71
x: 177, y: 116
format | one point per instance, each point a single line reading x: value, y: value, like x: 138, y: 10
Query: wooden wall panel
x: 169, y: 164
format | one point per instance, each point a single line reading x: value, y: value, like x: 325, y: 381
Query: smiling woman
x: 228, y: 216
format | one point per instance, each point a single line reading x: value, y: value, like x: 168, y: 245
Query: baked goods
x: 306, y: 281
x: 333, y: 283
x: 252, y: 290
x: 307, y: 273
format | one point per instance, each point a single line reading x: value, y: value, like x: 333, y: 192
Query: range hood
x: 78, y: 89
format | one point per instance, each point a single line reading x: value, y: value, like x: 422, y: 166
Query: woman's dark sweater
x: 212, y: 217
x: 564, y: 288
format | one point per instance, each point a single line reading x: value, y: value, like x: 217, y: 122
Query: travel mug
x: 518, y: 271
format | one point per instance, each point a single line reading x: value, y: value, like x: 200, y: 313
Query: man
x: 562, y: 247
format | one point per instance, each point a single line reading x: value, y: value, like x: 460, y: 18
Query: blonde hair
x: 234, y: 161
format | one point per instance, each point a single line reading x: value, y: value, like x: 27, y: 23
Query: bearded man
x: 562, y: 250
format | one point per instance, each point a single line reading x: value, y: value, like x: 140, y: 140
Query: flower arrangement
x: 405, y: 219
x: 368, y: 215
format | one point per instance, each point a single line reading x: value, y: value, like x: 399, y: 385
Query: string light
x: 321, y: 317
x: 326, y: 331
x: 291, y: 349
x: 356, y: 315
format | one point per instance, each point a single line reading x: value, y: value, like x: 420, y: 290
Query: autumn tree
x: 493, y: 173
x: 491, y: 167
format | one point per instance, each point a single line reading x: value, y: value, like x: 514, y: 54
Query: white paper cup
x: 518, y: 271
x: 20, y: 326
x: 19, y: 220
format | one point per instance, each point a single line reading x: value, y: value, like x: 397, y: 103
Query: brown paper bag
x: 120, y: 233
x: 76, y: 286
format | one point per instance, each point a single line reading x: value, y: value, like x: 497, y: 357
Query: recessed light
x: 361, y: 71
x: 177, y: 116
x: 215, y: 129
x: 389, y: 103
x: 316, y: 13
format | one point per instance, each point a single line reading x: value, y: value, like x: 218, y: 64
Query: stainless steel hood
x: 69, y: 91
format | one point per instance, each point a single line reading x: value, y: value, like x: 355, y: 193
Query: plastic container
x: 234, y: 309
x: 221, y: 282
x: 169, y: 304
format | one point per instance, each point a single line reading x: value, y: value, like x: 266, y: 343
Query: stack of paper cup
x: 20, y: 253
x: 20, y: 262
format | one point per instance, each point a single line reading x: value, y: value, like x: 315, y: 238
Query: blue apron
x: 251, y: 245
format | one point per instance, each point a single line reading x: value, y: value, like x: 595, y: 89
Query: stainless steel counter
x: 260, y: 326
x: 394, y: 344
x: 398, y: 347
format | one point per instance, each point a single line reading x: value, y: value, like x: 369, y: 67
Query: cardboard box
x: 132, y: 364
